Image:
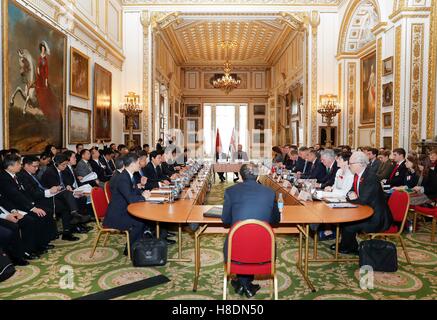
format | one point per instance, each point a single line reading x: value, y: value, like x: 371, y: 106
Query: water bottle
x: 280, y: 203
x: 409, y: 226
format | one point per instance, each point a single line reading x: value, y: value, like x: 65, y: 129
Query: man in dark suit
x: 17, y: 233
x: 317, y: 169
x: 12, y: 189
x: 124, y: 192
x: 374, y: 162
x: 119, y: 168
x: 366, y: 190
x: 399, y: 173
x: 49, y: 195
x: 327, y: 157
x: 97, y: 166
x: 248, y: 200
x: 106, y: 161
x: 68, y: 175
x: 79, y: 148
x: 291, y: 162
x: 154, y: 173
x: 302, y: 164
x: 140, y: 176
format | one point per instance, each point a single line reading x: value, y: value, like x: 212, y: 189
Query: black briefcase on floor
x: 379, y: 254
x: 7, y: 269
x: 149, y: 252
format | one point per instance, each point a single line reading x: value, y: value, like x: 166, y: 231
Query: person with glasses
x: 366, y: 190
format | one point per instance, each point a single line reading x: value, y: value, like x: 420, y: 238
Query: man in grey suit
x: 83, y: 168
x: 239, y: 155
x: 243, y: 201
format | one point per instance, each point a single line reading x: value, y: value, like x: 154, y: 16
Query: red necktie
x: 394, y: 171
x: 356, y: 183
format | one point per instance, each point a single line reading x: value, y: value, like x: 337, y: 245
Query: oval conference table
x: 295, y: 219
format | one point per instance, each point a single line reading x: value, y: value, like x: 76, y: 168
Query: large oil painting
x: 79, y: 125
x: 368, y: 88
x: 79, y: 74
x: 34, y: 56
x: 102, y: 103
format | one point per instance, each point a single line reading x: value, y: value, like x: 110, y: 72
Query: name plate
x: 189, y: 194
x: 304, y: 196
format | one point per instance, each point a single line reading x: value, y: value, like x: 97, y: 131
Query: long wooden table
x: 296, y: 219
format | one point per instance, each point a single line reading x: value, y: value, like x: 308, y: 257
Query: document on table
x: 214, y: 212
x: 156, y: 199
x: 341, y: 205
x: 159, y: 191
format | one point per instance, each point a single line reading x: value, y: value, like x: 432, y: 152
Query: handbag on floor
x: 149, y: 252
x: 7, y: 268
x: 381, y: 255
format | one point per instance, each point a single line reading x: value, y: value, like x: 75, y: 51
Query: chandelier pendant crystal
x: 227, y: 83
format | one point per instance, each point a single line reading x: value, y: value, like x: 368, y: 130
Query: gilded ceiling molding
x: 417, y: 36
x: 378, y: 92
x: 351, y: 91
x: 432, y: 64
x: 234, y: 2
x: 295, y: 20
x: 350, y: 11
x: 397, y: 86
x: 314, y: 21
x: 161, y: 20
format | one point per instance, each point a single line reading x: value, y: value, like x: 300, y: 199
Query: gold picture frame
x: 79, y: 120
x: 387, y: 120
x: 387, y: 94
x: 40, y: 125
x: 79, y: 74
x: 387, y: 66
x: 368, y: 88
x: 102, y: 104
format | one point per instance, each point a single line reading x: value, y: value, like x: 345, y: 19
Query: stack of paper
x: 159, y: 191
x: 156, y: 199
x: 89, y: 177
x: 86, y: 188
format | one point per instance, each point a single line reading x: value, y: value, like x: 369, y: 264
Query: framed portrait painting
x: 102, y: 103
x: 79, y: 74
x: 368, y: 88
x: 387, y: 94
x: 192, y: 110
x: 386, y: 120
x: 136, y: 123
x: 259, y: 110
x: 33, y: 53
x: 136, y: 137
x: 79, y: 125
x: 387, y: 66
x: 387, y: 143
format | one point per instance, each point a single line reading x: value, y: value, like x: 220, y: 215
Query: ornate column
x: 147, y: 76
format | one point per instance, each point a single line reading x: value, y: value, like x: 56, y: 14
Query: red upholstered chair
x: 251, y: 251
x: 427, y: 212
x: 399, y: 204
x: 107, y: 191
x: 100, y: 206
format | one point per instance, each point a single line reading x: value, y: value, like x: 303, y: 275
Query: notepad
x: 214, y: 212
x: 341, y: 205
x: 156, y: 199
x: 167, y: 191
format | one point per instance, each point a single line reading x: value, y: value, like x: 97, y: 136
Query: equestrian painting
x: 34, y: 73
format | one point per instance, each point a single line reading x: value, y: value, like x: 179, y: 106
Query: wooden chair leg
x: 225, y: 283
x: 405, y: 250
x: 316, y: 238
x: 105, y: 239
x: 433, y: 229
x: 415, y: 221
x: 96, y: 243
x: 128, y: 245
x: 275, y: 285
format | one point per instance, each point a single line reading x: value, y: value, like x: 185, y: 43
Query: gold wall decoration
x: 397, y: 89
x: 145, y: 21
x: 339, y: 133
x: 351, y: 91
x: 432, y: 67
x: 314, y: 21
x: 233, y: 2
x: 416, y: 75
x: 378, y: 92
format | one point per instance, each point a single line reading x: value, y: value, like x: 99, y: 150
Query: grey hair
x: 360, y: 157
x: 249, y: 171
x: 328, y: 153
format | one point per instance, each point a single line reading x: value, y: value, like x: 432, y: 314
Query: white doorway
x: 226, y: 117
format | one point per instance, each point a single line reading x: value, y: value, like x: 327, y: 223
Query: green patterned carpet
x: 67, y: 272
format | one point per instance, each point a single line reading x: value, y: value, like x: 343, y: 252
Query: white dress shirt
x: 343, y: 183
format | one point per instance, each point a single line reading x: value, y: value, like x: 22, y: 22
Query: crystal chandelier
x: 131, y: 108
x: 227, y: 83
x: 328, y: 108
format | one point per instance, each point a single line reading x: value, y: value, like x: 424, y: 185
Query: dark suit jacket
x: 99, y: 170
x: 317, y: 171
x: 69, y: 177
x: 15, y: 193
x: 385, y: 170
x: 430, y: 183
x: 123, y: 193
x: 300, y: 165
x: 51, y: 178
x: 329, y: 178
x: 290, y: 164
x: 167, y: 169
x: 153, y: 176
x: 371, y: 194
x: 398, y: 177
x: 109, y: 167
x: 6, y: 204
x: 250, y: 200
x: 374, y: 166
x: 31, y: 186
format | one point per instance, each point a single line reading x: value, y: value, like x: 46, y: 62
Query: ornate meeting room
x: 218, y: 150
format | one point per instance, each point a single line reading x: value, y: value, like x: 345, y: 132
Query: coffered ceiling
x: 197, y: 42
